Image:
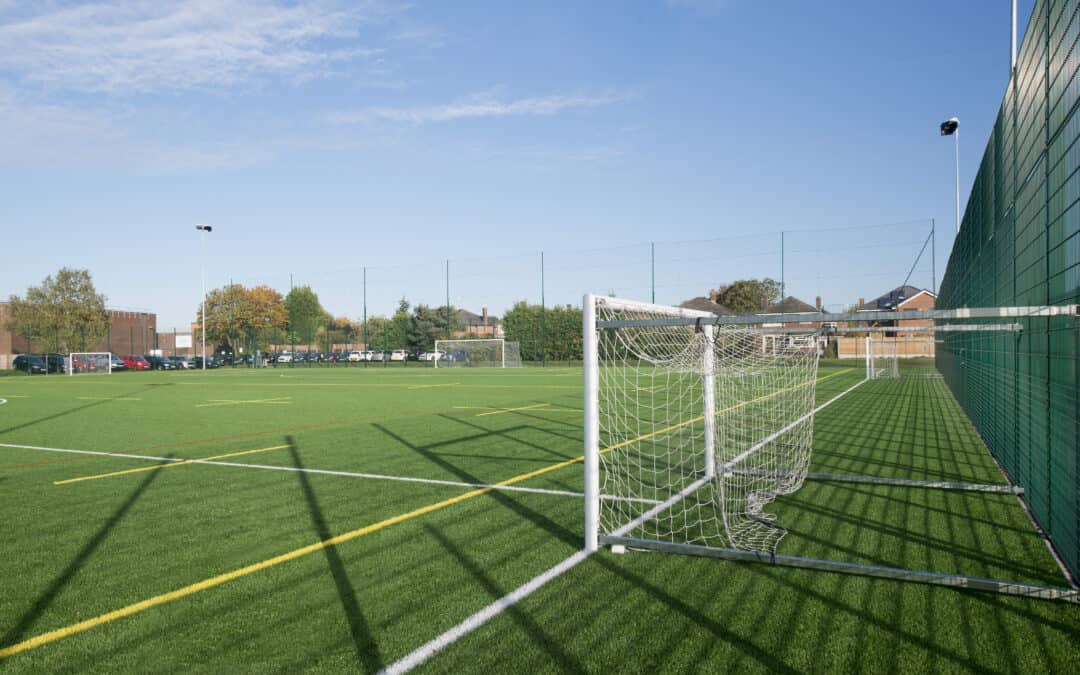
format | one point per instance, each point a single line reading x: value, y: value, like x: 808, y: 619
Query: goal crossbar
x: 706, y: 318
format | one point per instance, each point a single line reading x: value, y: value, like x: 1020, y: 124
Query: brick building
x: 128, y: 333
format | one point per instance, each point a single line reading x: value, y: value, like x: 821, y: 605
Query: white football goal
x: 478, y: 353
x: 691, y: 428
x: 881, y: 358
x: 87, y: 363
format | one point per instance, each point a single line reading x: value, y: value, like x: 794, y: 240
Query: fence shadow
x: 367, y: 651
x: 16, y: 632
x: 551, y: 646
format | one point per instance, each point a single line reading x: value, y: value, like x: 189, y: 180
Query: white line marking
x: 429, y: 649
x: 3, y: 401
x: 327, y: 472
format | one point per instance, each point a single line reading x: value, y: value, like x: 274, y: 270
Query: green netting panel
x: 1019, y: 244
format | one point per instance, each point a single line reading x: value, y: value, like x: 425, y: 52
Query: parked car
x: 136, y: 362
x: 284, y: 357
x: 117, y: 363
x: 355, y: 356
x: 161, y: 363
x: 57, y: 363
x: 183, y: 362
x: 211, y: 362
x: 399, y: 355
x: 29, y: 363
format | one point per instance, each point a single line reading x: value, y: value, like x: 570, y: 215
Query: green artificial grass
x: 75, y: 551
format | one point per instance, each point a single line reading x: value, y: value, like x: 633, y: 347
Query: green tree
x: 65, y: 311
x: 427, y: 325
x: 558, y: 340
x: 747, y: 296
x: 305, y: 314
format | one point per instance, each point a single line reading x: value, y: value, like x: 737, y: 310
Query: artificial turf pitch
x: 216, y: 554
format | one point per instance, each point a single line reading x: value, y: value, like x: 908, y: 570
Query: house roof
x: 703, y: 304
x: 894, y: 298
x: 473, y: 319
x: 790, y: 305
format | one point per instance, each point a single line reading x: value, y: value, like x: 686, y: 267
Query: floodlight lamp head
x: 205, y: 228
x: 949, y: 126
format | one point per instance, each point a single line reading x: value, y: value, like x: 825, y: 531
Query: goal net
x: 691, y: 429
x: 477, y: 353
x: 881, y: 358
x: 85, y: 363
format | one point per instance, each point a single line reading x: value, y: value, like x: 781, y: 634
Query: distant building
x: 482, y: 325
x: 901, y: 299
x: 703, y: 304
x: 792, y: 305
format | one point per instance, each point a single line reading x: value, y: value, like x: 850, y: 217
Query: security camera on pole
x: 202, y: 244
x: 951, y: 127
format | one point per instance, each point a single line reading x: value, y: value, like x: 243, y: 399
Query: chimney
x: 817, y: 302
x: 483, y: 312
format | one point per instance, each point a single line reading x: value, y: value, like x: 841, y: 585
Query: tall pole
x: 652, y: 261
x: 1012, y: 59
x: 783, y: 287
x: 367, y: 347
x: 203, y: 229
x: 449, y: 335
x: 933, y: 256
x: 543, y: 311
x: 957, y: 156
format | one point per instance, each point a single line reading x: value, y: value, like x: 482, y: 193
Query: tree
x: 304, y: 311
x: 427, y: 325
x: 559, y: 339
x: 234, y: 312
x: 747, y: 296
x: 66, y: 312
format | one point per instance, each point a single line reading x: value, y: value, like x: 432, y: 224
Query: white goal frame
x: 108, y: 361
x: 443, y: 347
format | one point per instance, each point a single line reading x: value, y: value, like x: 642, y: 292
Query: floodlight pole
x: 203, y: 229
x: 956, y: 158
x: 951, y: 127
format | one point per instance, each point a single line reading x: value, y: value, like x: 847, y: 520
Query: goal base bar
x: 910, y: 482
x: 895, y: 573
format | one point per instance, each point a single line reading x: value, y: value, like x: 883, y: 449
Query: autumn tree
x: 235, y: 312
x: 65, y: 311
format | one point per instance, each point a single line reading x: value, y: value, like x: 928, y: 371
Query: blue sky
x: 321, y: 138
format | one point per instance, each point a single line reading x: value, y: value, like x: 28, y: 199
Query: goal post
x: 87, y: 363
x: 691, y: 429
x: 477, y: 353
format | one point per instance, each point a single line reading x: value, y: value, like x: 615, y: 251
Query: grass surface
x: 79, y: 550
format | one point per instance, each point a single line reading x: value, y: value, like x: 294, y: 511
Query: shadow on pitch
x: 555, y: 529
x: 366, y: 648
x: 16, y: 632
x: 566, y: 662
x: 79, y: 408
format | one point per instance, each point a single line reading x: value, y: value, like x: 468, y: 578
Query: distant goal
x: 89, y: 363
x: 478, y: 353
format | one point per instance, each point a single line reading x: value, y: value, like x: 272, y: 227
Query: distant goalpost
x: 694, y: 423
x: 87, y: 363
x: 477, y: 353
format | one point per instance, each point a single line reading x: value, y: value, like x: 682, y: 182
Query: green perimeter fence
x: 1019, y: 244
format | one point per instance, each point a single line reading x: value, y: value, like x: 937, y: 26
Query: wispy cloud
x: 477, y: 106
x: 150, y: 46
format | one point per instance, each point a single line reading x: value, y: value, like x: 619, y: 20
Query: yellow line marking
x: 179, y: 593
x: 280, y: 400
x: 106, y: 398
x: 130, y: 610
x: 167, y: 465
x: 501, y: 411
